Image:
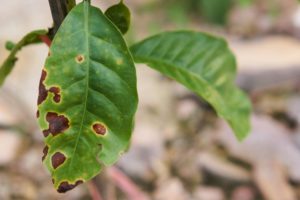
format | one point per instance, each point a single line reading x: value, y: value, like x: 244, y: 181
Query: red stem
x: 94, y: 192
x: 46, y: 40
x: 125, y: 184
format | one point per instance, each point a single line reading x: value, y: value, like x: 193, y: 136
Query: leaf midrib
x: 225, y: 107
x: 150, y: 60
x: 86, y: 13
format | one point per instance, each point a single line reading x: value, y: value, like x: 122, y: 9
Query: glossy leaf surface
x: 9, y: 63
x: 87, y: 98
x: 205, y: 65
x: 119, y: 14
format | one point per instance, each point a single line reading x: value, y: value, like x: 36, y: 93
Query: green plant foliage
x: 87, y: 97
x: 245, y: 2
x: 203, y: 64
x: 9, y: 63
x: 119, y: 14
x: 9, y: 45
x: 71, y: 4
x: 215, y: 11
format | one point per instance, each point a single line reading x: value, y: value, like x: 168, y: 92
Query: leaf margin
x: 241, y: 128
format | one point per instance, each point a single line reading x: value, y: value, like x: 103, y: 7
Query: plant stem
x: 125, y: 184
x: 46, y: 40
x: 71, y: 4
x: 59, y: 10
x: 95, y: 193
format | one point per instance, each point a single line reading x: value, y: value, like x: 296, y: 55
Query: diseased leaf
x: 9, y: 63
x: 87, y: 97
x: 205, y: 65
x: 119, y: 14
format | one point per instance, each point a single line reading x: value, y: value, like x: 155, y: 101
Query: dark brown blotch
x: 37, y: 114
x: 80, y: 59
x: 46, y: 133
x: 99, y: 129
x: 43, y: 92
x: 56, y: 92
x: 45, y: 152
x: 58, y: 159
x: 65, y: 186
x: 57, y: 124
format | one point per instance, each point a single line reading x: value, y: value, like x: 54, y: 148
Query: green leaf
x: 245, y: 2
x: 9, y: 45
x: 205, y: 65
x: 87, y: 97
x: 215, y: 11
x: 9, y: 63
x: 119, y: 14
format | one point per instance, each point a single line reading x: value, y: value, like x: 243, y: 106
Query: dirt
x: 180, y: 149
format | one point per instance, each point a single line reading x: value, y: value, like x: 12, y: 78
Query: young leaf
x: 119, y: 14
x: 9, y: 45
x: 205, y: 65
x: 9, y: 63
x: 87, y: 97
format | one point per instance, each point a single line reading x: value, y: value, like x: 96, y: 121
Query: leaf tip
x: 242, y: 131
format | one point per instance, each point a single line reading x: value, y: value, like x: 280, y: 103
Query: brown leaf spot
x: 65, y: 186
x: 43, y: 92
x: 46, y: 133
x: 56, y: 92
x: 58, y: 159
x: 57, y: 124
x: 37, y: 114
x: 45, y: 151
x: 79, y: 59
x: 99, y: 129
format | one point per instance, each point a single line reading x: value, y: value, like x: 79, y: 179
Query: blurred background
x: 180, y: 150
